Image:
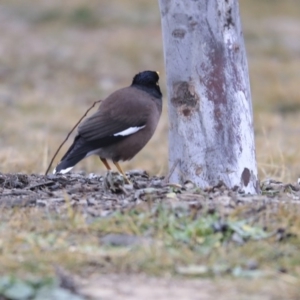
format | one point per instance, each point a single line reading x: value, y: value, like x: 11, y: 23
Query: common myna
x: 121, y: 127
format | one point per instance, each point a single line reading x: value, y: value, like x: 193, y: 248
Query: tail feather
x: 74, y: 155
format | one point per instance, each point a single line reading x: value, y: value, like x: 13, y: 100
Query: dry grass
x: 272, y: 31
x: 57, y: 58
x: 55, y: 65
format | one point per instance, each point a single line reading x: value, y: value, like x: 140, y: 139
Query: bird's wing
x: 122, y: 113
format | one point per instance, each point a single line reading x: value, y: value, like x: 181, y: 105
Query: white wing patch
x: 129, y: 131
x: 64, y: 171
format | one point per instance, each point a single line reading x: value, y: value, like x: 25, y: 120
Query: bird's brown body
x: 126, y: 102
x: 121, y: 127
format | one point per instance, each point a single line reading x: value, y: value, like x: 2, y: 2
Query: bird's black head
x: 147, y: 81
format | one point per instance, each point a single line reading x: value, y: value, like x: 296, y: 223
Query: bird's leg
x: 105, y: 163
x: 121, y: 171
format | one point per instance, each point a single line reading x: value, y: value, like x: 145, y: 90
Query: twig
x: 167, y: 179
x: 51, y: 162
x: 46, y: 183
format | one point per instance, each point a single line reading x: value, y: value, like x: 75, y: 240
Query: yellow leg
x: 121, y: 171
x: 105, y: 163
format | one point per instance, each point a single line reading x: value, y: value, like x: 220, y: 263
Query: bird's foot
x: 115, y: 181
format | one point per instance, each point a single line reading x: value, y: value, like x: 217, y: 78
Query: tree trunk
x: 210, y: 111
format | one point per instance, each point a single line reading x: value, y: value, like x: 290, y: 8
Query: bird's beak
x: 157, y: 72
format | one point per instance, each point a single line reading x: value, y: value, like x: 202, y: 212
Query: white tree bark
x: 210, y: 111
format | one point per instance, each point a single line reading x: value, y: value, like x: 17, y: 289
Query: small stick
x: 167, y: 179
x: 51, y: 162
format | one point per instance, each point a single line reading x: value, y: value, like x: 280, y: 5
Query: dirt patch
x: 149, y: 288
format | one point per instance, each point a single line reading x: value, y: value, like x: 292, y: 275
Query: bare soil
x: 149, y: 288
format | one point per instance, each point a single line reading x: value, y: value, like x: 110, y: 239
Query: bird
x: 123, y: 124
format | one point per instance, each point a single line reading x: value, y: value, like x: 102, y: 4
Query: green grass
x: 216, y: 235
x: 34, y: 241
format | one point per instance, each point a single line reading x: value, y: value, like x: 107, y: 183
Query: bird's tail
x: 74, y: 155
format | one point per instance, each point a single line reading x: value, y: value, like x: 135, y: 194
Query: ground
x: 89, y: 236
x: 101, y: 239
